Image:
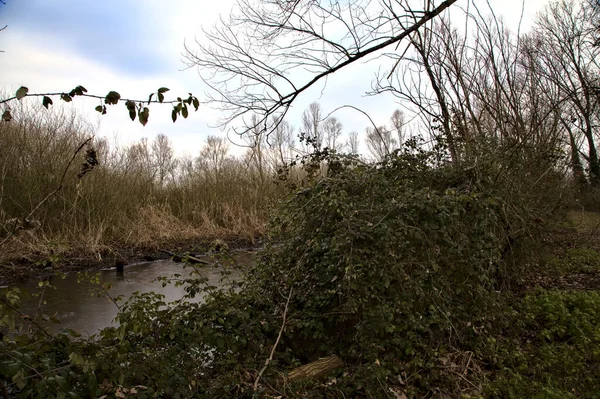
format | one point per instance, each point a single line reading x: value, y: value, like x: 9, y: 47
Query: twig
x: 107, y: 294
x: 26, y: 317
x: 465, y: 379
x: 285, y: 310
x: 62, y: 178
x: 57, y: 189
x: 40, y: 303
x: 25, y: 364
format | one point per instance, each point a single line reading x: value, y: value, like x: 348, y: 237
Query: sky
x: 135, y: 47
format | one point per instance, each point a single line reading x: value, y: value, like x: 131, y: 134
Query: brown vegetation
x: 137, y: 199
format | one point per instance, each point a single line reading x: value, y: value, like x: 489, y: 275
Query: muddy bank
x: 17, y: 266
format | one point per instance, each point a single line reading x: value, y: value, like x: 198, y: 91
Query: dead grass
x: 584, y: 222
x: 154, y: 224
x: 137, y: 199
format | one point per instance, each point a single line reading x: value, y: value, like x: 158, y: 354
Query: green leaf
x: 99, y: 108
x: 161, y: 97
x: 46, y: 101
x: 174, y: 115
x: 144, y: 116
x: 78, y: 91
x: 131, y: 108
x: 184, y: 112
x: 19, y: 379
x: 6, y: 116
x: 66, y: 98
x: 22, y: 92
x: 150, y: 98
x: 196, y: 103
x: 112, y: 98
x: 163, y: 90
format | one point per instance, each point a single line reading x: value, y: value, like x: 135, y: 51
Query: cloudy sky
x: 136, y: 46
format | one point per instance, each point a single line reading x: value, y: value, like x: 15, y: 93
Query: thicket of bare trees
x: 269, y: 52
x: 470, y: 81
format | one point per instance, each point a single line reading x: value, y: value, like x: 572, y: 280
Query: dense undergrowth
x: 427, y: 279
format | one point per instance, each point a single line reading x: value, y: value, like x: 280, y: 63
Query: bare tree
x: 480, y: 89
x: 256, y: 141
x: 311, y: 130
x: 139, y: 161
x: 164, y: 160
x: 271, y: 51
x: 397, y: 122
x: 570, y: 57
x: 353, y: 143
x: 380, y: 142
x: 282, y: 143
x: 332, y: 129
x: 213, y: 157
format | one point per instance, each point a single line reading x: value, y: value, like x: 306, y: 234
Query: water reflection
x: 78, y: 307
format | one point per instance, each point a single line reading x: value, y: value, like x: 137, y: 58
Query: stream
x: 78, y: 306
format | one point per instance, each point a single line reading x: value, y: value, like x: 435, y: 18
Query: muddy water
x: 78, y: 306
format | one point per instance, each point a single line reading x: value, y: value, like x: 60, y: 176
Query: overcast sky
x: 135, y: 46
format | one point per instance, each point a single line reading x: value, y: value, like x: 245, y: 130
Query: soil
x: 38, y: 264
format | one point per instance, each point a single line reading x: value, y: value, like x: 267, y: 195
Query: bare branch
x: 266, y: 55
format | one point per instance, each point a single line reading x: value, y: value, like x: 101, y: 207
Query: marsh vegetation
x: 461, y: 258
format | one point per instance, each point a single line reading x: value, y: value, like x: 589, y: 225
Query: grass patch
x: 550, y: 348
x: 574, y: 260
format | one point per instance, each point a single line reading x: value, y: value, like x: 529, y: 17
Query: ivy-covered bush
x: 386, y: 263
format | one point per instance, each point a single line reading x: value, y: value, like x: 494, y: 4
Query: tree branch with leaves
x: 136, y: 108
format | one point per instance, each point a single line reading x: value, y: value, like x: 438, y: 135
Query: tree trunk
x: 576, y: 164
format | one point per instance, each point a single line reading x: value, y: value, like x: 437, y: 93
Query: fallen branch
x: 317, y: 369
x: 188, y: 257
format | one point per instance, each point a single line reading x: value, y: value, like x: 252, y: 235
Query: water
x: 78, y: 306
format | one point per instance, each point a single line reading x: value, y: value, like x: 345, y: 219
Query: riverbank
x: 24, y: 258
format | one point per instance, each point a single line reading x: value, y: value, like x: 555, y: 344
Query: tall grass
x: 138, y: 195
